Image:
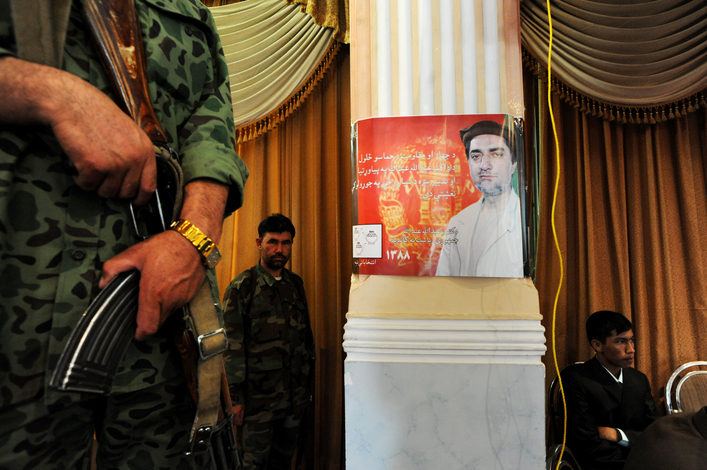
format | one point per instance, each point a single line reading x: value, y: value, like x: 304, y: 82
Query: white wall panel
x: 426, y: 71
x: 405, y: 95
x: 441, y: 56
x: 468, y: 45
x: 448, y: 76
x: 383, y: 59
x: 491, y: 57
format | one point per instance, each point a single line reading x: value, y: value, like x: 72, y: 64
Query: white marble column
x: 441, y: 373
x: 444, y: 373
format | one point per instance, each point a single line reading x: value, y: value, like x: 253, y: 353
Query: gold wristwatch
x: 204, y: 245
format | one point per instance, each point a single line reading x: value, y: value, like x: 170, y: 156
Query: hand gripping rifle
x: 92, y: 355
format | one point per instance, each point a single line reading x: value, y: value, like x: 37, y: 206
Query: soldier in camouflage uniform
x: 270, y: 359
x: 70, y: 161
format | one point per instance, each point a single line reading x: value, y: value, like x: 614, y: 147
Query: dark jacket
x: 595, y: 399
x: 677, y: 442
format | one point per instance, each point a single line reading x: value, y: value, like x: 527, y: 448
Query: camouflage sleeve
x: 207, y: 140
x: 235, y: 360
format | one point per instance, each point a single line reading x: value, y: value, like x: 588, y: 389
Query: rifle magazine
x: 91, y: 357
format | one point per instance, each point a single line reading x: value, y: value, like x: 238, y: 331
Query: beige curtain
x: 327, y: 13
x: 640, y: 61
x: 271, y: 49
x: 632, y: 224
x: 301, y: 168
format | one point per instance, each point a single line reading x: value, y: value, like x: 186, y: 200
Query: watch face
x: 213, y: 258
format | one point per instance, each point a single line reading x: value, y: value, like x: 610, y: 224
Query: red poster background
x: 411, y: 176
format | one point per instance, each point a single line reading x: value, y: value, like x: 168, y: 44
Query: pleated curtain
x: 635, y: 60
x: 631, y: 211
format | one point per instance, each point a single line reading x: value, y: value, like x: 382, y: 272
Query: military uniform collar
x: 269, y: 278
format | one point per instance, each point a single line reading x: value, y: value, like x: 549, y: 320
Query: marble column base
x: 410, y: 416
x: 444, y: 373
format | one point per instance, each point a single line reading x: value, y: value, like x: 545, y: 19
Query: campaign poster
x: 439, y: 196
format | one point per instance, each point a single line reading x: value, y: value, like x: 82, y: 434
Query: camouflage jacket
x: 271, y: 347
x: 54, y: 237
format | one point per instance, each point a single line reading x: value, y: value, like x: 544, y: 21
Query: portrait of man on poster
x: 486, y: 238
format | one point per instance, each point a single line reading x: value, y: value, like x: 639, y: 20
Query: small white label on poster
x: 368, y: 241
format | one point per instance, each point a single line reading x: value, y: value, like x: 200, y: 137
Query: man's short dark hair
x: 605, y: 323
x: 490, y: 128
x: 276, y: 223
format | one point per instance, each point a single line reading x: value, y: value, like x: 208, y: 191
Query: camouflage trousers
x: 269, y: 445
x: 146, y: 429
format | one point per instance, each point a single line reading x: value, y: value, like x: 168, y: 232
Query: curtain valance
x: 276, y: 55
x: 639, y: 60
x: 328, y: 13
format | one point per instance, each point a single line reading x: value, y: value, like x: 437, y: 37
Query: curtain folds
x: 251, y: 130
x: 302, y: 169
x: 631, y: 219
x: 641, y: 61
x: 273, y: 51
x: 330, y: 14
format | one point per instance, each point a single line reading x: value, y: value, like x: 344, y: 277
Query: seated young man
x: 608, y: 402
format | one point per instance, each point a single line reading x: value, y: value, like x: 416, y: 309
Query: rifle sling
x: 211, y: 343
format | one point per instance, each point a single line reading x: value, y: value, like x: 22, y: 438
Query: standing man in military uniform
x: 271, y: 351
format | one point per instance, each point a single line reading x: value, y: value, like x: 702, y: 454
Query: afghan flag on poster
x: 439, y: 195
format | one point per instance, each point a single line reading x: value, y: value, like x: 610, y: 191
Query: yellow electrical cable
x: 554, y: 231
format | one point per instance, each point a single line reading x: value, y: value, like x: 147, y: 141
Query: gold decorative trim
x: 253, y: 129
x: 616, y: 112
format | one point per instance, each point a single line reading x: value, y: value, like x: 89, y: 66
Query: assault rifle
x: 91, y: 357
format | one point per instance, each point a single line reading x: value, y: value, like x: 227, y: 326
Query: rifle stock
x: 117, y: 34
